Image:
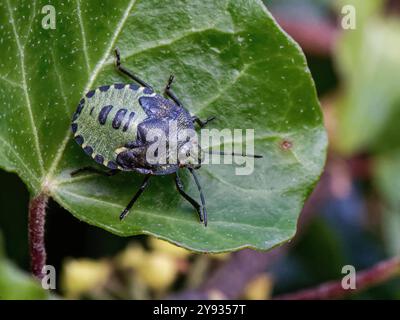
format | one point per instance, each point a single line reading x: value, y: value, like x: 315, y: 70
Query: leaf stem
x: 37, y: 216
x: 377, y: 274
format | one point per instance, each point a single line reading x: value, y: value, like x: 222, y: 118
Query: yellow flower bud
x: 259, y: 288
x: 84, y: 275
x: 131, y: 257
x: 158, y: 271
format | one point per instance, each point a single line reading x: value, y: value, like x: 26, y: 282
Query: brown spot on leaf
x: 286, y: 145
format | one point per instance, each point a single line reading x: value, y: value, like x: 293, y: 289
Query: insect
x: 111, y: 124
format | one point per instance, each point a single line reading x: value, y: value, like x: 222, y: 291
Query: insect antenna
x: 221, y: 153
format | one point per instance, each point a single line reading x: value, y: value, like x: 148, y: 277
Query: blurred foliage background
x: 352, y: 218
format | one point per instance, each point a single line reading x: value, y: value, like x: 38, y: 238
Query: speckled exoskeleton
x: 111, y: 125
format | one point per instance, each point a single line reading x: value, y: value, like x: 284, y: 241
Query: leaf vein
x: 224, y: 89
x: 83, y: 34
x: 166, y: 217
x: 28, y: 170
x: 30, y: 24
x: 90, y: 82
x: 25, y: 87
x: 60, y: 82
x: 13, y: 83
x: 163, y: 43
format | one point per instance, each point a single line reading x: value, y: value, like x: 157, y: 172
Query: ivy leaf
x: 15, y: 284
x: 368, y: 58
x: 387, y: 181
x: 230, y: 59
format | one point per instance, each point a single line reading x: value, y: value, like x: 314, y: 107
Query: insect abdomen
x: 106, y: 119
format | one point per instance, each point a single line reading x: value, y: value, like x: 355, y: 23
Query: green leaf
x: 16, y: 284
x: 368, y: 61
x: 387, y: 180
x: 230, y: 59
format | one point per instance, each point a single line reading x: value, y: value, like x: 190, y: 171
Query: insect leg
x: 169, y: 92
x: 193, y: 202
x: 94, y: 170
x: 127, y: 72
x: 200, y: 122
x: 203, y: 203
x: 135, y: 197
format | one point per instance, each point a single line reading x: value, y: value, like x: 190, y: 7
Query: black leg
x: 94, y: 170
x: 202, y: 123
x: 127, y: 72
x: 193, y: 202
x: 135, y: 197
x: 169, y: 92
x: 203, y: 203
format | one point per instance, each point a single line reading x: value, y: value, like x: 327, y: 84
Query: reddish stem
x: 37, y: 215
x: 379, y: 273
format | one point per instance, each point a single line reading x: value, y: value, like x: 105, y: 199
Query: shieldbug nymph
x: 111, y: 125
